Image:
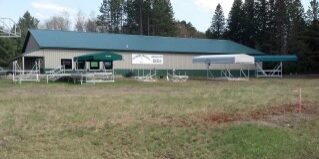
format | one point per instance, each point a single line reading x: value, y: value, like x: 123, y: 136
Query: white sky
x: 198, y: 12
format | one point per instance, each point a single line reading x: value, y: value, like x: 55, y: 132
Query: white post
x: 39, y: 63
x: 113, y: 74
x: 281, y: 69
x: 23, y: 65
x: 207, y: 73
x: 256, y: 70
x: 37, y: 70
x: 13, y: 70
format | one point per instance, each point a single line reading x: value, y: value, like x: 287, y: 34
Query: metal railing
x: 177, y: 78
x: 20, y: 75
x: 56, y: 74
x: 276, y: 72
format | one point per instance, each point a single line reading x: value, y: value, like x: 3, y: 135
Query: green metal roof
x: 48, y: 39
x: 99, y: 56
x: 276, y: 58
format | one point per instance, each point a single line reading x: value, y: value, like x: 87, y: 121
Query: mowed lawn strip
x: 129, y: 119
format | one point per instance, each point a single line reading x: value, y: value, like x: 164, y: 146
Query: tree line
x: 272, y: 26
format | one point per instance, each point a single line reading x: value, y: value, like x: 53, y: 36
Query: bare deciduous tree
x: 90, y: 24
x: 59, y: 22
x: 80, y: 22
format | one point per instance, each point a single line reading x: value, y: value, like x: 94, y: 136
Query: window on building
x: 81, y: 65
x: 94, y: 65
x: 67, y: 63
x: 108, y: 65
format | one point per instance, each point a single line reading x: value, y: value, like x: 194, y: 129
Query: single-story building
x: 59, y: 48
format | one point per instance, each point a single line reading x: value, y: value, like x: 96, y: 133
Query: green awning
x: 99, y: 56
x: 276, y: 58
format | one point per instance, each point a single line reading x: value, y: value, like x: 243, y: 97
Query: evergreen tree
x: 271, y: 28
x: 25, y: 23
x: 217, y: 27
x: 146, y: 17
x: 111, y: 18
x: 116, y: 9
x: 131, y: 23
x: 310, y: 59
x: 235, y: 28
x: 148, y: 13
x: 163, y: 18
x: 10, y: 48
x: 281, y: 24
x: 104, y: 20
x: 249, y: 26
x: 187, y: 30
x: 296, y: 24
x: 313, y: 12
x: 209, y: 34
x: 262, y: 20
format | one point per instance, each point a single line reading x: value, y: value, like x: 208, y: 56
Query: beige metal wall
x: 52, y: 60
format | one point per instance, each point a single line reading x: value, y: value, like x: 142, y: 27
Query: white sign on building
x: 147, y: 59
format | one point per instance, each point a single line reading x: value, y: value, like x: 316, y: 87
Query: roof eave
x: 147, y: 51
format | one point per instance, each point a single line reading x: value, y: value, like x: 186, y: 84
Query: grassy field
x: 128, y: 119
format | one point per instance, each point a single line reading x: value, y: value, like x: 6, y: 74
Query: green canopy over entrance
x: 99, y: 56
x: 276, y: 58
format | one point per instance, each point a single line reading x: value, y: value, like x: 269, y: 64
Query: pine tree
x: 310, y: 58
x: 163, y: 18
x: 25, y: 23
x: 281, y: 24
x: 131, y: 22
x: 297, y: 23
x: 249, y: 24
x: 209, y: 34
x: 116, y: 11
x: 262, y: 19
x: 217, y: 27
x: 104, y: 20
x: 235, y: 28
x: 10, y: 48
x: 187, y: 30
x: 313, y: 12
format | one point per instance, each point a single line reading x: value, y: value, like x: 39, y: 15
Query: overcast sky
x: 198, y: 12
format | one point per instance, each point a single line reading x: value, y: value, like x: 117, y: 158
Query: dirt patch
x: 266, y: 114
x: 223, y: 117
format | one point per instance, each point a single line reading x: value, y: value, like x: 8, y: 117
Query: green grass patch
x: 129, y: 119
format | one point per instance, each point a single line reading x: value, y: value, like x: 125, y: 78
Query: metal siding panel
x: 31, y: 45
x: 53, y: 58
